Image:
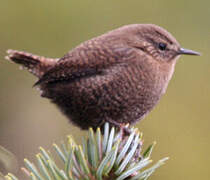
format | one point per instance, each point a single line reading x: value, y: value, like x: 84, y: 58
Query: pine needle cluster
x: 112, y: 156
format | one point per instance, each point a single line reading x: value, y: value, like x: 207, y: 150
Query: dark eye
x: 162, y: 46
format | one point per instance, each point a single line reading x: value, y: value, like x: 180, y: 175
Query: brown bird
x: 117, y: 77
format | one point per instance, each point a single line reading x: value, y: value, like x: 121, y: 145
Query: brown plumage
x: 117, y: 77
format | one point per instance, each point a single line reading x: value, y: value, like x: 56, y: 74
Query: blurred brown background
x: 180, y: 123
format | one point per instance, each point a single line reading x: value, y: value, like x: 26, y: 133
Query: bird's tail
x: 37, y: 65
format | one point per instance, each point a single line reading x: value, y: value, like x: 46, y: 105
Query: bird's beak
x: 188, y: 52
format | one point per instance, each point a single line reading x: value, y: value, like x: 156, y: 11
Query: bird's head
x: 154, y: 41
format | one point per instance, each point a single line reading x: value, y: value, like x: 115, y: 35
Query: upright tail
x: 37, y: 65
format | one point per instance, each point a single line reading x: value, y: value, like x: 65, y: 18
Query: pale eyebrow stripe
x: 164, y: 37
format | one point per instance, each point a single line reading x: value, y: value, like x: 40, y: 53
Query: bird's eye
x: 162, y: 46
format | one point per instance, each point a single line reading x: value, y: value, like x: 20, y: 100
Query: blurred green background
x: 180, y: 123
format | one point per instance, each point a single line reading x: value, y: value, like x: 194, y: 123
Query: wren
x: 117, y: 77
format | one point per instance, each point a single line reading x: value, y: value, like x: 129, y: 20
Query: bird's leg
x: 138, y: 155
x: 124, y: 128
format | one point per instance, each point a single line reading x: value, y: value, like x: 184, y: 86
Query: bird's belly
x: 91, y: 106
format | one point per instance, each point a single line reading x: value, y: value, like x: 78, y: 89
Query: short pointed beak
x: 188, y: 52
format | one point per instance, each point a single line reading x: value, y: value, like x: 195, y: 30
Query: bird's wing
x: 84, y: 63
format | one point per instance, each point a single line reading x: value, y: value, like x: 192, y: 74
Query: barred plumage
x: 117, y: 77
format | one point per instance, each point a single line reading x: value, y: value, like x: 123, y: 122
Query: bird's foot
x: 124, y: 128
